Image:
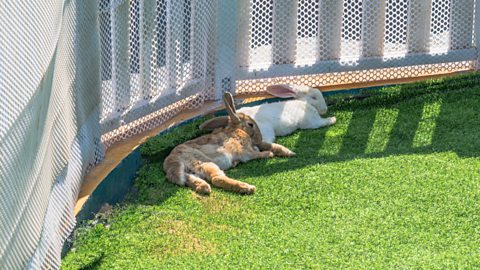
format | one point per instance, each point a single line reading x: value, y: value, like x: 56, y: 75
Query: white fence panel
x: 330, y: 16
x: 462, y: 24
x: 120, y: 55
x: 49, y: 127
x: 284, y: 31
x: 155, y: 54
x: 419, y: 25
x: 351, y: 36
x: 226, y: 61
x: 373, y: 28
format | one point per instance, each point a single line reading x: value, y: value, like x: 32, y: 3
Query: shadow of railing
x: 444, y: 121
x: 423, y: 118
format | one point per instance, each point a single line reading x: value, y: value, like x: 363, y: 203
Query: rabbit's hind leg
x: 219, y: 179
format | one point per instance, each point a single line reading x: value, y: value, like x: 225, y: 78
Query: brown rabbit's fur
x: 207, y: 156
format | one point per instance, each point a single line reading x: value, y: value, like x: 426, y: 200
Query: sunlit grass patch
x: 382, y: 127
x: 394, y: 184
x: 426, y: 127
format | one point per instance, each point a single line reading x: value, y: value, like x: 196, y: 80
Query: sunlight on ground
x: 393, y: 184
x: 382, y: 127
x: 334, y: 136
x: 426, y: 126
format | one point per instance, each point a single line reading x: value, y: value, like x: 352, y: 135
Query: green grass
x: 395, y: 184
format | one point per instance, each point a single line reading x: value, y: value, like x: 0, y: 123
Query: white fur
x: 283, y: 118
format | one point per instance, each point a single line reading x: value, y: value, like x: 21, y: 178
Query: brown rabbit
x: 235, y: 139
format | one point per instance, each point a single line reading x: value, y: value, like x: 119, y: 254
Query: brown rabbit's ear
x: 230, y: 106
x: 282, y: 90
x: 221, y: 121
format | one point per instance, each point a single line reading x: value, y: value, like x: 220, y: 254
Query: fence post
x: 244, y: 34
x: 147, y: 20
x: 329, y: 29
x: 225, y: 57
x: 174, y: 43
x: 284, y: 31
x: 418, y: 33
x: 477, y: 32
x: 373, y: 28
x: 461, y: 27
x: 120, y: 53
x: 198, y: 41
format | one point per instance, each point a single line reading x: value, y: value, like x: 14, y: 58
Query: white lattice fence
x: 338, y: 41
x: 158, y: 53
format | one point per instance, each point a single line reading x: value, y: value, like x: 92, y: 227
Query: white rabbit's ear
x: 221, y: 121
x: 282, y: 90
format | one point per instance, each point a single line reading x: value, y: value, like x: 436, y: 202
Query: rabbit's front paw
x: 266, y: 154
x: 289, y: 153
x: 282, y: 151
x: 332, y: 120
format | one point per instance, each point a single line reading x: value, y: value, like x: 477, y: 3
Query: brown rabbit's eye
x: 250, y: 124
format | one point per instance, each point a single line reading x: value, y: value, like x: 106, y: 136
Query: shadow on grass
x: 150, y: 190
x: 150, y: 186
x: 438, y: 122
x: 95, y: 264
x: 421, y: 118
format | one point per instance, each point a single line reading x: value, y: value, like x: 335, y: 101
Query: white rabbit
x: 283, y: 118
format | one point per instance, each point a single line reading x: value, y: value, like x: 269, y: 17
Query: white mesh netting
x: 78, y: 76
x: 155, y: 54
x: 49, y: 131
x: 286, y: 37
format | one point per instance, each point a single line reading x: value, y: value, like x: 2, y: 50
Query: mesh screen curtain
x: 49, y: 131
x: 75, y: 77
x: 157, y: 57
x: 78, y: 76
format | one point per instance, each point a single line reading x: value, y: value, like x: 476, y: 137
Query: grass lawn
x: 395, y: 184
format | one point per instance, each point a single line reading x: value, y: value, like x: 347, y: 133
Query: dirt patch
x: 182, y: 238
x: 218, y: 204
